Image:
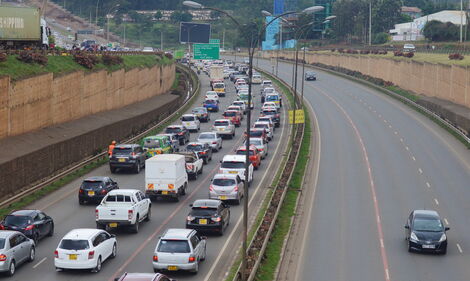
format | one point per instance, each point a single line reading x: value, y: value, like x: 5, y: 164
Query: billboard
x: 195, y: 32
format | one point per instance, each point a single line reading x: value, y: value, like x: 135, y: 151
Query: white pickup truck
x: 165, y: 176
x: 123, y: 207
x: 235, y: 164
x: 194, y: 164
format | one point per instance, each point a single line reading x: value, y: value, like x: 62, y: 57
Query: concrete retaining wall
x: 45, y: 100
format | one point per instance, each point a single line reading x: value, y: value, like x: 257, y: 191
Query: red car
x: 233, y: 116
x: 258, y: 133
x: 255, y: 156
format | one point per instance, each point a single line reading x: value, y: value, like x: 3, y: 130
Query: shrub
x: 398, y: 53
x: 409, y: 54
x: 341, y: 50
x: 39, y: 58
x: 3, y: 57
x: 365, y: 52
x: 375, y: 52
x: 333, y: 50
x: 351, y: 51
x: 111, y: 60
x: 380, y: 38
x: 382, y: 52
x: 168, y: 55
x: 86, y: 60
x: 456, y: 56
x: 30, y: 57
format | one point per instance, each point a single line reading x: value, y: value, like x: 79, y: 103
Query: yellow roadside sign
x: 299, y: 116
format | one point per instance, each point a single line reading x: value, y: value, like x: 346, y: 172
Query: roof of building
x: 406, y: 9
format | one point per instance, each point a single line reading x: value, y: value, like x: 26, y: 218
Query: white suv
x: 224, y: 127
x: 191, y: 122
x: 85, y: 249
x: 179, y: 249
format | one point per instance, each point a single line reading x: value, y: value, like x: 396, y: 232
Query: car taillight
x: 202, y: 152
x: 236, y: 188
x: 192, y: 259
x: 190, y: 166
x: 180, y: 134
x: 211, y: 188
x: 97, y: 213
x: 155, y: 258
x: 133, y: 154
x: 3, y: 257
x: 129, y: 214
x: 56, y: 254
x: 216, y: 219
x: 91, y: 254
x: 81, y: 191
x: 260, y: 149
x: 214, y: 142
x: 29, y: 227
x: 2, y: 227
x: 103, y: 191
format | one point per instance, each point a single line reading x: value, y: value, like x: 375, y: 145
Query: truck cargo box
x: 20, y: 23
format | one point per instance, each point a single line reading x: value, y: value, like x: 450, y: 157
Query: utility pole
x: 124, y: 34
x: 161, y: 40
x: 96, y: 12
x: 461, y: 20
x: 223, y: 40
x: 370, y: 22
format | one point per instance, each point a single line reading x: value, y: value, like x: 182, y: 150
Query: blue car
x: 211, y: 105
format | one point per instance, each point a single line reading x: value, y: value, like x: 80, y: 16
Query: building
x: 413, y: 12
x: 412, y: 31
x: 198, y: 15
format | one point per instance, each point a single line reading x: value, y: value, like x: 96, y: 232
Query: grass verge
x: 28, y: 199
x: 59, y: 65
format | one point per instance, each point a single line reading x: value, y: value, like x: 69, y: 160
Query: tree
x: 158, y: 15
x: 176, y: 16
x: 380, y: 38
x: 186, y: 17
x: 385, y: 14
x: 438, y: 31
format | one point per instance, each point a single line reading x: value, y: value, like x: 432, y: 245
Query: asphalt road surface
x: 135, y: 251
x: 379, y: 161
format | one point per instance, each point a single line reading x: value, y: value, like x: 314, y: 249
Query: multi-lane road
x: 135, y: 251
x: 379, y: 160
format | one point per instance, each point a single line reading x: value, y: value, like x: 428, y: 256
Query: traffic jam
x: 171, y: 161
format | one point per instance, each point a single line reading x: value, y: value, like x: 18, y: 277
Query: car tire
x: 409, y: 247
x: 196, y: 269
x: 444, y: 251
x: 51, y: 231
x: 36, y: 238
x: 81, y: 202
x: 195, y: 176
x: 183, y: 192
x: 135, y: 226
x: 12, y: 268
x: 32, y: 254
x: 137, y: 168
x: 98, y: 265
x: 200, y: 171
x: 237, y: 201
x: 256, y: 167
x: 114, y: 251
x: 205, y: 161
x: 221, y: 231
x: 149, y: 214
x: 205, y: 253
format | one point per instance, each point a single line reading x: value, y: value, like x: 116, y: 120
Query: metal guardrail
x: 194, y: 93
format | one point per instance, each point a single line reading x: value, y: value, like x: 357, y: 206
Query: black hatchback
x: 425, y: 232
x: 95, y: 188
x: 180, y: 131
x: 309, y: 75
x: 203, y: 150
x: 127, y: 156
x: 208, y: 215
x: 35, y: 224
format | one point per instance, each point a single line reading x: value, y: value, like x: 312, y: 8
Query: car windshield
x: 243, y: 152
x: 173, y: 246
x: 230, y: 114
x: 92, y: 184
x: 239, y: 103
x: 69, y: 244
x: 203, y: 212
x: 18, y: 220
x: 219, y: 86
x: 220, y: 123
x: 195, y: 147
x: 206, y: 136
x: 233, y: 165
x: 2, y: 243
x: 151, y: 143
x: 174, y: 130
x: 432, y: 225
x: 272, y: 98
x: 224, y: 182
x: 187, y: 118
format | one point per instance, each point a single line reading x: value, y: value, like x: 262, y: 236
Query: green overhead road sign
x: 206, y: 51
x: 179, y: 54
x: 214, y: 41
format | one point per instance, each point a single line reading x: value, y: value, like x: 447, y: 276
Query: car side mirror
x: 407, y: 226
x: 447, y: 228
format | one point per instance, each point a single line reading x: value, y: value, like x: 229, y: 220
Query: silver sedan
x: 212, y: 138
x: 15, y: 249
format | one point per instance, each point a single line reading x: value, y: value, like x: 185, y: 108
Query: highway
x: 135, y: 251
x: 379, y: 160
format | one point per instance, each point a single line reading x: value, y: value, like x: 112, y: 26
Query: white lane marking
x: 385, y: 120
x: 387, y: 273
x: 375, y: 111
x: 252, y: 197
x: 396, y: 133
x: 378, y: 221
x: 41, y: 261
x: 390, y: 126
x: 428, y: 184
x: 401, y: 139
x: 420, y: 171
x: 382, y: 243
x: 380, y: 115
x: 446, y: 221
x: 414, y: 158
x: 407, y: 148
x: 460, y: 248
x: 435, y: 201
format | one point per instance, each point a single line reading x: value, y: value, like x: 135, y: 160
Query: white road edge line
x: 252, y: 196
x: 420, y: 170
x: 428, y: 184
x: 435, y: 201
x: 460, y: 248
x: 446, y: 221
x: 41, y: 261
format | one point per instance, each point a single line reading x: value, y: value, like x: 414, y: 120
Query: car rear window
x: 260, y: 126
x: 92, y: 184
x: 199, y: 110
x: 210, y: 102
x: 233, y: 165
x: 69, y: 244
x: 255, y: 142
x: 207, y: 136
x: 256, y: 133
x: 18, y: 220
x: 272, y: 98
x: 187, y: 118
x: 122, y: 150
x: 173, y: 130
x: 220, y: 123
x: 224, y: 182
x: 230, y: 114
x: 118, y: 198
x: 151, y: 143
x: 195, y: 147
x: 269, y: 112
x: 173, y: 246
x: 243, y: 152
x: 219, y: 86
x: 202, y: 212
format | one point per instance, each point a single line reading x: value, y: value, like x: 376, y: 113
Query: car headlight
x: 443, y: 238
x: 413, y: 237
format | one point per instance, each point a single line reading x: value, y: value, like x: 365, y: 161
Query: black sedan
x: 95, y: 188
x: 180, y: 131
x: 203, y: 150
x: 34, y: 224
x: 208, y: 215
x: 309, y: 75
x: 425, y: 232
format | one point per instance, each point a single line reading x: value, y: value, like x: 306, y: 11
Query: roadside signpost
x: 179, y: 54
x: 206, y: 51
x: 214, y: 41
x: 299, y: 116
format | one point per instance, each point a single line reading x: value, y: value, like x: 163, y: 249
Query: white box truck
x: 217, y: 72
x: 165, y: 176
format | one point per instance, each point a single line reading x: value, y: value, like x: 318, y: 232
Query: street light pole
x: 370, y: 22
